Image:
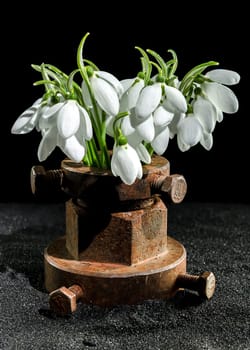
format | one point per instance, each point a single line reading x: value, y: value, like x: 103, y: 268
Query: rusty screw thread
x: 174, y: 186
x: 41, y: 179
x: 54, y: 177
x: 75, y: 288
x: 204, y: 284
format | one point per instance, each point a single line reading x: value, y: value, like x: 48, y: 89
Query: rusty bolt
x: 41, y: 180
x: 63, y: 301
x: 204, y: 284
x: 176, y: 187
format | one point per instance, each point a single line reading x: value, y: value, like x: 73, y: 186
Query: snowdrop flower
x: 221, y: 96
x: 132, y: 89
x: 197, y: 126
x: 141, y: 114
x: 149, y: 99
x: 107, y: 90
x: 67, y: 125
x: 174, y: 102
x: 126, y: 164
x: 189, y: 132
x: 135, y: 140
x: 162, y: 119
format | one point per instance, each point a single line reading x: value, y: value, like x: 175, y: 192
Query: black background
x: 41, y: 33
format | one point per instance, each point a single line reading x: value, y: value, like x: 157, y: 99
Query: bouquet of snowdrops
x: 140, y: 115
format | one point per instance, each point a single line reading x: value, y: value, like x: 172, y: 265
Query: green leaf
x: 160, y: 61
x: 146, y: 64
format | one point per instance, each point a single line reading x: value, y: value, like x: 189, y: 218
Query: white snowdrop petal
x: 50, y: 111
x: 130, y: 97
x: 134, y: 139
x: 190, y: 131
x: 173, y: 126
x: 148, y: 100
x: 47, y: 144
x: 126, y: 164
x: 86, y: 123
x: 224, y: 76
x: 122, y: 167
x: 72, y: 148
x: 206, y: 113
x: 126, y: 83
x: 126, y: 126
x: 112, y: 80
x: 47, y: 122
x: 207, y: 141
x: 143, y: 153
x: 109, y: 125
x: 68, y: 119
x: 162, y: 116
x: 146, y: 129
x: 105, y: 95
x: 27, y: 120
x: 23, y: 124
x: 222, y: 97
x: 86, y: 95
x: 174, y: 102
x: 219, y: 115
x: 182, y: 146
x: 139, y: 171
x: 161, y: 140
x: 134, y: 92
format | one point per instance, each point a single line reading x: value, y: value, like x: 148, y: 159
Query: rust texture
x: 116, y: 249
x: 108, y: 284
x: 113, y: 221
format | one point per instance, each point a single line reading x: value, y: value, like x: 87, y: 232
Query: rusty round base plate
x: 109, y: 284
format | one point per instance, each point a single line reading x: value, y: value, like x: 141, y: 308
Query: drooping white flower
x: 112, y: 80
x: 72, y: 148
x: 132, y: 89
x: 145, y: 128
x: 221, y: 96
x: 189, y: 132
x: 206, y: 113
x: 67, y: 125
x: 161, y: 139
x: 173, y: 126
x: 27, y: 121
x: 148, y: 101
x: 162, y: 116
x: 174, y: 102
x: 126, y: 164
x: 135, y: 140
x: 126, y: 126
x: 47, y: 144
x: 105, y: 93
x: 68, y: 118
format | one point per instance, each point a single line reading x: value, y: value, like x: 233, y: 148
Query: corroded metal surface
x: 126, y: 237
x: 82, y: 181
x: 111, y: 283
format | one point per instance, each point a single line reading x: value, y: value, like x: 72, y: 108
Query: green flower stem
x: 96, y: 119
x: 160, y: 61
x: 146, y: 65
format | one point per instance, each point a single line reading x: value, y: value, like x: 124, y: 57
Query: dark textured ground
x: 217, y: 238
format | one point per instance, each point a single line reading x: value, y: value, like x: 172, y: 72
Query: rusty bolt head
x: 176, y: 187
x: 63, y: 301
x: 37, y: 175
x: 206, y: 282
